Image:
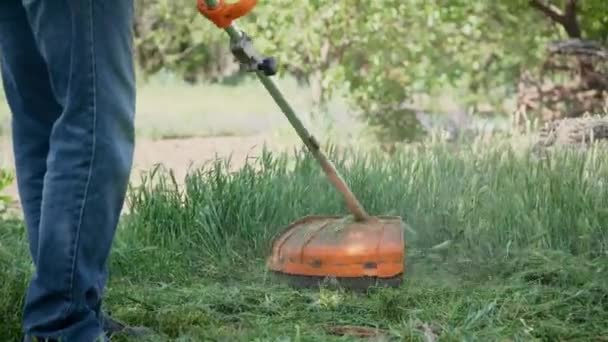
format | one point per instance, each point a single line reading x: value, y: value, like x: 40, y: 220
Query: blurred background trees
x: 392, y: 60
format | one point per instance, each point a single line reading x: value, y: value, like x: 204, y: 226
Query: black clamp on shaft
x: 244, y: 51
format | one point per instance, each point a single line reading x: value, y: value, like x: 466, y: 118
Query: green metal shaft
x: 309, y: 140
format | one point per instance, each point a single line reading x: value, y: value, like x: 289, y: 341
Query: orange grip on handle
x: 223, y: 14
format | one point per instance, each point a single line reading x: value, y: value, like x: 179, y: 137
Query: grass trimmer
x: 356, y: 251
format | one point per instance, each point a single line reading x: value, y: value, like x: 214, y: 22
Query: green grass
x: 500, y: 247
x: 169, y: 108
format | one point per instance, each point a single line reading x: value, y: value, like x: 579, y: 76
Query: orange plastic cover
x: 334, y: 246
x: 223, y: 14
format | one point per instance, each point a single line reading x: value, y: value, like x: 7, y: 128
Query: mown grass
x: 500, y: 247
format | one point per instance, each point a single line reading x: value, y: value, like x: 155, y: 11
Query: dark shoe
x: 112, y: 327
x: 38, y: 339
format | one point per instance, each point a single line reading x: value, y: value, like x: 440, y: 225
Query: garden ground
x: 500, y: 246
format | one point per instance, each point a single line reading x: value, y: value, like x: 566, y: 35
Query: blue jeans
x: 68, y: 75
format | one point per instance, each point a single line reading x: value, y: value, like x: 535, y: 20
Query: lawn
x: 169, y: 108
x: 500, y: 247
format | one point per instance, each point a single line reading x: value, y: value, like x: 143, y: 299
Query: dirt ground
x: 180, y: 154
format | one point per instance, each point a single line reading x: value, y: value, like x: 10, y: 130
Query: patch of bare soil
x: 182, y: 154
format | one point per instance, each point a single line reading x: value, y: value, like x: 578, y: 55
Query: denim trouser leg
x: 68, y: 75
x: 34, y: 108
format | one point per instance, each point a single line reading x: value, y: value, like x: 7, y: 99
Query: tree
x: 573, y: 79
x: 386, y: 54
x: 309, y: 38
x: 418, y: 47
x: 171, y: 35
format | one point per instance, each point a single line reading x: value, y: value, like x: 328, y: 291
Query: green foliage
x: 384, y: 54
x: 425, y: 48
x: 171, y: 35
x: 593, y: 18
x: 6, y: 179
x: 309, y: 38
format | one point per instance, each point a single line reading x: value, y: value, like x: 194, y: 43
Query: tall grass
x: 482, y: 202
x: 500, y: 247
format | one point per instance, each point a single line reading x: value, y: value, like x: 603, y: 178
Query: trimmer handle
x: 222, y: 15
x: 269, y: 66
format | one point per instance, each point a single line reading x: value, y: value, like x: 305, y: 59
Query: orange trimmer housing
x: 317, y: 248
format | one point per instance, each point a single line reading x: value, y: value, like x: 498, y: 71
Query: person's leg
x: 87, y: 47
x: 33, y: 106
